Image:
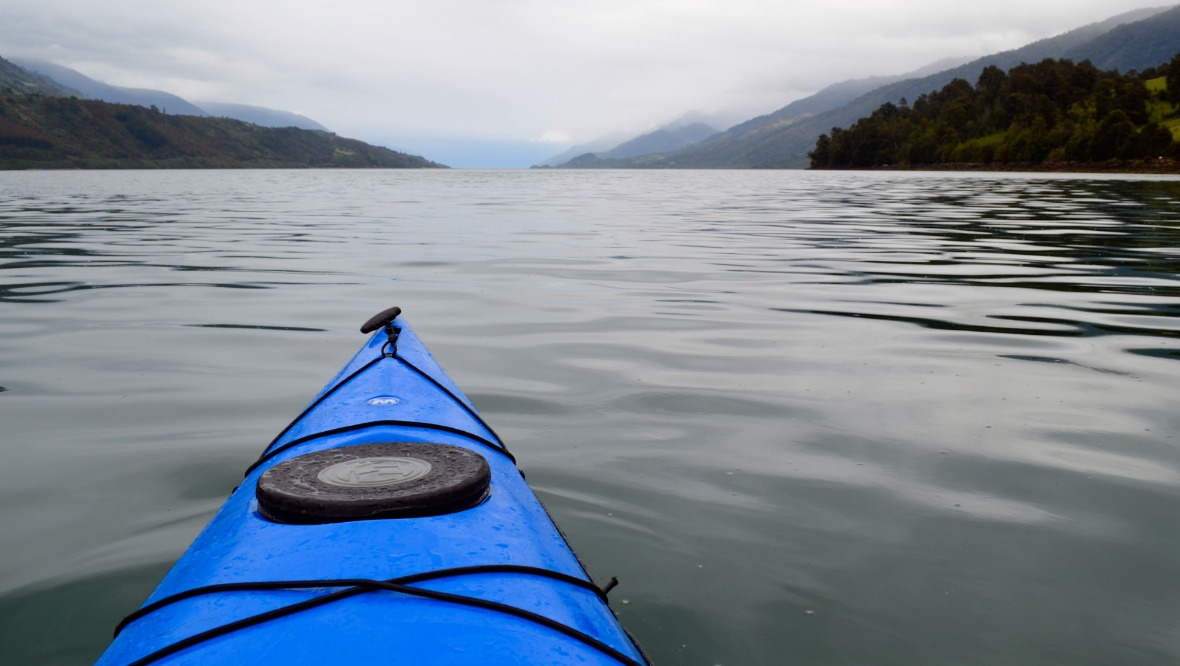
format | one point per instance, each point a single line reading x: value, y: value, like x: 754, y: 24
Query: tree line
x: 1051, y: 111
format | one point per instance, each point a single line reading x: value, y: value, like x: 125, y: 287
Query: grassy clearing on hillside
x: 1161, y: 111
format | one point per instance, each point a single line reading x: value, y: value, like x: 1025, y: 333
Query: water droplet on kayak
x: 383, y: 400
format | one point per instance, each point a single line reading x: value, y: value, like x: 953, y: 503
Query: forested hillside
x: 1053, y: 111
x: 38, y: 131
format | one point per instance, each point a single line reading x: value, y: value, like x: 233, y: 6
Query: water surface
x: 837, y: 418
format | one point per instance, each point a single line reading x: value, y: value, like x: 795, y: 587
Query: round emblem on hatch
x: 372, y: 472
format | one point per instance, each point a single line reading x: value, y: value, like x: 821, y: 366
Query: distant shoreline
x: 1158, y: 166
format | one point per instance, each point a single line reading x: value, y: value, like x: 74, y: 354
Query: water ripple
x: 938, y: 410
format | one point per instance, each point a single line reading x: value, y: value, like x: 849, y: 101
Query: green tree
x: 1113, y: 137
x: 1172, y: 77
x: 1154, y: 141
x: 822, y: 155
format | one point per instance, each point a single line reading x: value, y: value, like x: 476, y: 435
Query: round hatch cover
x: 387, y: 480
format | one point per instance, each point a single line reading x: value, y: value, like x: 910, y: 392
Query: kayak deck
x: 495, y: 583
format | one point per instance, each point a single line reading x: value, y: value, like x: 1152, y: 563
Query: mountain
x: 1133, y: 45
x: 688, y: 130
x: 85, y: 86
x: 661, y: 141
x: 602, y: 144
x: 92, y: 89
x: 42, y: 132
x: 633, y: 152
x: 260, y: 115
x: 16, y: 79
x: 783, y: 138
x: 601, y: 153
x: 691, y: 128
x: 839, y: 94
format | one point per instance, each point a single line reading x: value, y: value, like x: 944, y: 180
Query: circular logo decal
x: 372, y: 472
x: 383, y: 400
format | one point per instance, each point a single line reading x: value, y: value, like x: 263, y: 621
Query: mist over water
x: 836, y: 418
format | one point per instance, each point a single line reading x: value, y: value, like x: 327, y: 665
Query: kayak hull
x: 389, y: 392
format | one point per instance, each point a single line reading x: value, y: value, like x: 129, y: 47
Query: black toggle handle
x: 381, y: 319
x: 610, y: 585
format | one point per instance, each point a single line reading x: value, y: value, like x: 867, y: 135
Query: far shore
x: 1163, y: 165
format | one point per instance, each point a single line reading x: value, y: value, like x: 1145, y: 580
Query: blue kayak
x: 387, y: 524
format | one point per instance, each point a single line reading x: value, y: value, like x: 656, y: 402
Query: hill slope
x: 260, y: 115
x: 661, y: 140
x: 839, y: 94
x: 88, y: 87
x: 599, y: 145
x: 1132, y: 46
x: 782, y: 140
x: 56, y: 132
x: 16, y: 79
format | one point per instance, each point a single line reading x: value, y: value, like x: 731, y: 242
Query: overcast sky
x: 511, y: 82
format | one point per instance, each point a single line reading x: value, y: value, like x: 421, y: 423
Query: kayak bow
x: 387, y: 523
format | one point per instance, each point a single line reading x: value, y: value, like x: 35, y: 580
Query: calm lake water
x: 806, y: 418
